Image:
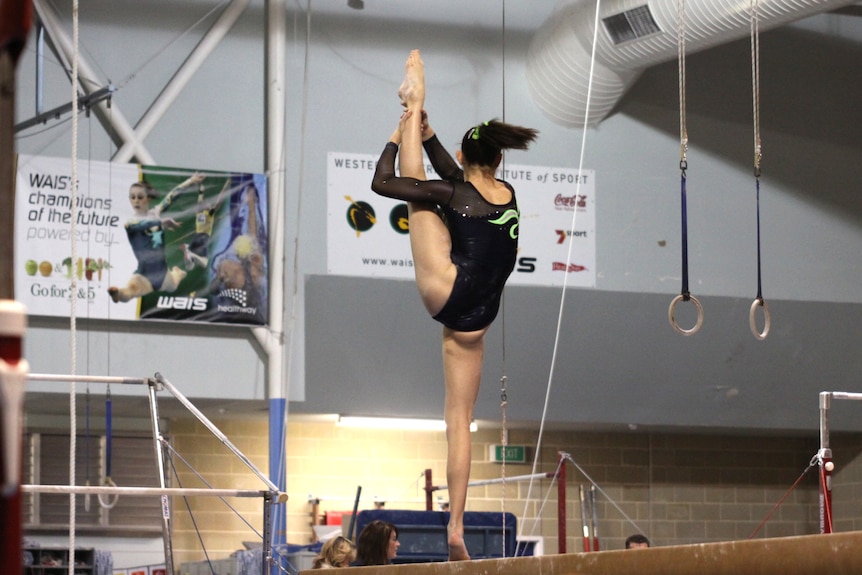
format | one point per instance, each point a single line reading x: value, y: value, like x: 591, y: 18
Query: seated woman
x: 377, y: 544
x: 336, y: 552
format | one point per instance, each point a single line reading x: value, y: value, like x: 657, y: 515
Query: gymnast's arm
x: 444, y: 164
x: 172, y: 195
x: 387, y: 184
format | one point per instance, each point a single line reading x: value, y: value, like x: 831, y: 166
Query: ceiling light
x: 356, y: 4
x: 406, y: 424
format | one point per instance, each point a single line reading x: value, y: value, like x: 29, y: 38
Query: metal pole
x: 144, y: 491
x: 429, y: 488
x: 266, y: 556
x: 112, y: 118
x: 595, y: 518
x: 160, y: 461
x: 182, y: 77
x: 87, y: 379
x: 561, y: 505
x: 272, y: 339
x: 515, y: 478
x: 40, y: 67
x: 13, y: 368
x: 213, y: 429
x: 585, y: 522
x: 826, y: 465
x: 16, y: 18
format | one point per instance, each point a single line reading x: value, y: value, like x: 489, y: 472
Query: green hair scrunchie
x: 475, y: 134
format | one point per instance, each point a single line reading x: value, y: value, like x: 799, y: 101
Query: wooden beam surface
x: 833, y: 554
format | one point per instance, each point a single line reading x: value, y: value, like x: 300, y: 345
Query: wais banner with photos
x: 151, y: 242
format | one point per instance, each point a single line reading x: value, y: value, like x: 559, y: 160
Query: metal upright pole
x: 160, y: 462
x: 161, y: 381
x: 429, y: 488
x: 266, y: 555
x: 826, y: 465
x: 561, y: 504
x: 273, y: 340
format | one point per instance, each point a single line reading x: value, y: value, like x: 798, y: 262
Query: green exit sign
x: 508, y: 453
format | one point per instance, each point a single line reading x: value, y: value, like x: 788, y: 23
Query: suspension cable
x: 558, y: 329
x: 504, y: 400
x: 814, y: 461
x: 73, y: 431
x: 758, y: 302
x: 684, y: 294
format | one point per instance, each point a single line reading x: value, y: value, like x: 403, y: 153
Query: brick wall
x: 677, y: 489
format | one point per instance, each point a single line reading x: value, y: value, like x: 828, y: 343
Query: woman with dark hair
x: 464, y: 239
x: 377, y: 544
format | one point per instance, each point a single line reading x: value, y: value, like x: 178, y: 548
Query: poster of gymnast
x: 367, y: 234
x: 153, y: 243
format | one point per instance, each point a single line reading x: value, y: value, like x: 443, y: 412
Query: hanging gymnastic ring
x: 108, y: 502
x: 87, y: 499
x: 672, y: 319
x: 759, y: 302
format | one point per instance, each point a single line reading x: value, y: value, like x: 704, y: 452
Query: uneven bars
x: 826, y: 398
x: 824, y: 456
x: 86, y: 378
x: 514, y: 478
x: 215, y: 431
x: 143, y: 491
x: 844, y: 395
x: 341, y: 499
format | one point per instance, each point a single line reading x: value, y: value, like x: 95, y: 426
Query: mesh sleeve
x: 386, y: 183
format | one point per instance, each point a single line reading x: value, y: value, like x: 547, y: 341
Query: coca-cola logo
x: 575, y: 201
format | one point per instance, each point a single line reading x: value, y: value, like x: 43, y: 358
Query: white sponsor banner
x: 184, y: 245
x: 367, y: 234
x: 43, y: 258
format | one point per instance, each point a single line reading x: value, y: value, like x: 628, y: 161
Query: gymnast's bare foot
x: 457, y: 548
x: 412, y: 90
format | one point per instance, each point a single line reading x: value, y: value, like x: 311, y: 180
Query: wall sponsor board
x: 368, y: 235
x: 151, y: 242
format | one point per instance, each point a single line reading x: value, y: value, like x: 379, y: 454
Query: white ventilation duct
x: 634, y: 35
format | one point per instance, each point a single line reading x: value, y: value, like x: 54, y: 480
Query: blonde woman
x: 336, y: 552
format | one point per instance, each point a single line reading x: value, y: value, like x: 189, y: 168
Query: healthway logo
x: 240, y: 296
x: 237, y: 295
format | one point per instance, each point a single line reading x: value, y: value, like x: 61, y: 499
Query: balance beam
x: 832, y: 554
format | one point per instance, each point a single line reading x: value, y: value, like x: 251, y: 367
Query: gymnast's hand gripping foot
x: 464, y: 239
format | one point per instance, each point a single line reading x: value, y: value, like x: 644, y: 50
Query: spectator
x: 637, y: 541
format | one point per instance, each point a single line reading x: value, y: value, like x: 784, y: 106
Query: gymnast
x: 146, y: 232
x: 196, y: 253
x: 464, y: 239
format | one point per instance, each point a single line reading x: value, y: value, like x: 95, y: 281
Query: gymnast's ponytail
x: 483, y: 143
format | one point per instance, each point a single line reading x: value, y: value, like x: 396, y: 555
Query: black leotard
x: 484, y: 235
x: 147, y: 238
